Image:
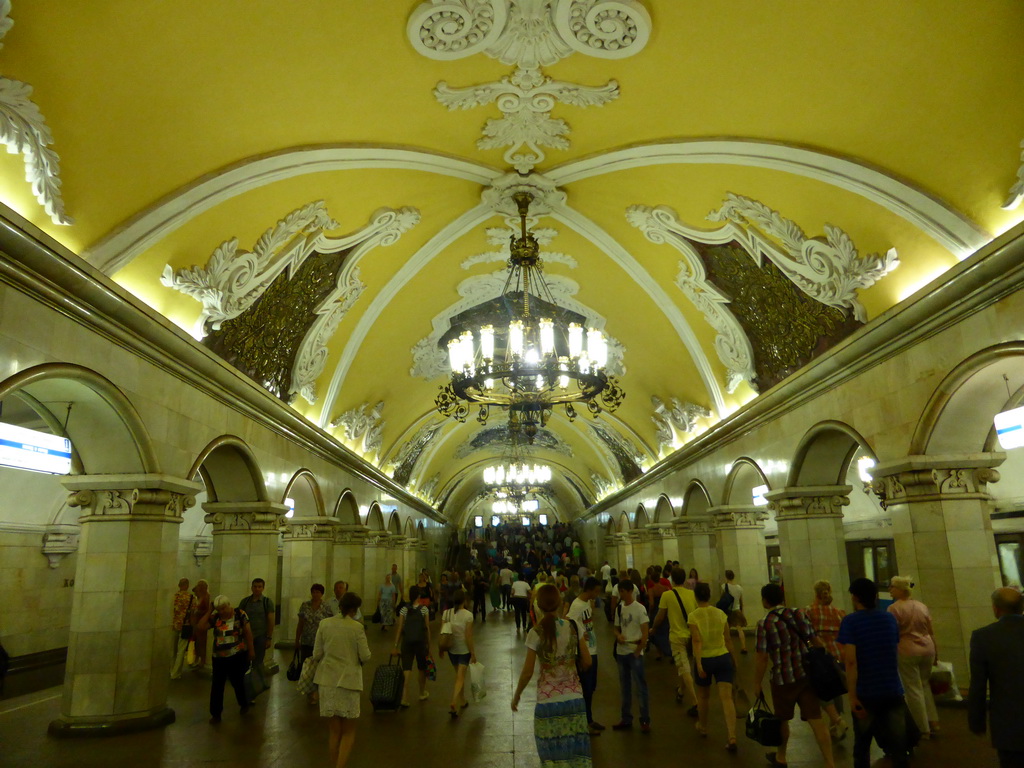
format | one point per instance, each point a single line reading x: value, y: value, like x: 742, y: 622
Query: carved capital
x: 259, y: 517
x: 130, y: 497
x: 313, y: 528
x: 59, y: 541
x: 936, y: 478
x: 690, y: 525
x: 736, y: 517
x: 201, y: 549
x: 800, y: 503
x: 350, y: 534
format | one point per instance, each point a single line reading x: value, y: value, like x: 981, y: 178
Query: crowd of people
x: 885, y: 656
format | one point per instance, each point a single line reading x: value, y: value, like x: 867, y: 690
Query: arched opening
x: 696, y: 500
x: 744, y: 475
x: 304, y: 492
x: 394, y: 524
x: 663, y: 510
x: 347, y: 508
x: 640, y: 518
x: 375, y: 518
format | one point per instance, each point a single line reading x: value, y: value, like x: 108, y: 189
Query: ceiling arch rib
x: 140, y: 232
x: 948, y: 226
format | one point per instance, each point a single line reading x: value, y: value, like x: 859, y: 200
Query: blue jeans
x: 886, y: 723
x: 631, y: 668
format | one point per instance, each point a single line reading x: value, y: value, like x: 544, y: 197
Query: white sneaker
x: 425, y: 695
x: 838, y: 730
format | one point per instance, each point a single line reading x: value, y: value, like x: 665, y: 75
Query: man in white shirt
x: 340, y: 588
x: 505, y: 577
x: 737, y: 619
x: 631, y: 630
x: 606, y: 572
x: 581, y: 611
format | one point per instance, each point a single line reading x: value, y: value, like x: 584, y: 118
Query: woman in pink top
x: 918, y: 653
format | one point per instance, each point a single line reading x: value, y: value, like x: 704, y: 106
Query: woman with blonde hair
x: 560, y: 715
x: 918, y: 653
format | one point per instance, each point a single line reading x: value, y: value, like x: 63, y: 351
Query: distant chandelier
x: 518, y: 474
x: 514, y: 507
x: 534, y: 356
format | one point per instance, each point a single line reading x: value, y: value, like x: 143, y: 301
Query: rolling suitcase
x: 386, y: 691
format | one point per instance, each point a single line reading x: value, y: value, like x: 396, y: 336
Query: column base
x: 83, y: 727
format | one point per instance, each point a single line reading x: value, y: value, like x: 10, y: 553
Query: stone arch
x: 611, y: 528
x: 958, y: 416
x: 394, y: 524
x: 307, y: 495
x: 409, y: 530
x: 421, y: 532
x: 663, y: 512
x: 824, y: 454
x: 230, y: 471
x: 696, y: 499
x: 346, y: 509
x: 623, y: 523
x: 106, y: 432
x: 744, y: 475
x: 640, y: 518
x: 375, y: 518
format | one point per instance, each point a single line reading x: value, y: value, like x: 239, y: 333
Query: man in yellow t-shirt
x: 677, y: 604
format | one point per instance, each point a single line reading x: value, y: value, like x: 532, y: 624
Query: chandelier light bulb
x: 455, y: 355
x: 547, y: 337
x: 487, y: 342
x: 597, y: 348
x: 489, y: 475
x: 531, y: 357
x: 488, y: 383
x: 563, y: 380
x: 575, y: 340
x: 466, y: 342
x: 515, y: 337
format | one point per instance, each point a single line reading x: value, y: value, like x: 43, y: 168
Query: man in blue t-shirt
x: 869, y: 638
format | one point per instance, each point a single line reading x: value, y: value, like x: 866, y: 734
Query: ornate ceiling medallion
x: 24, y: 130
x: 233, y: 282
x: 829, y: 271
x: 529, y: 34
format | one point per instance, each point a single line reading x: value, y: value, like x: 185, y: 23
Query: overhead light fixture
x: 1010, y: 428
x: 520, y: 474
x: 531, y: 355
x: 758, y: 492
x: 864, y: 466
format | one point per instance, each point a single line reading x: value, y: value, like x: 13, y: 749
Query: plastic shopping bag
x: 477, y: 686
x: 943, y: 683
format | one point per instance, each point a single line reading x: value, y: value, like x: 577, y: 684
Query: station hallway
x: 282, y: 730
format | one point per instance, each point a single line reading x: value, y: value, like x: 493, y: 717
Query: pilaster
x: 696, y: 546
x: 739, y: 536
x: 940, y: 509
x: 245, y: 546
x: 118, y: 655
x: 348, y: 556
x: 308, y: 543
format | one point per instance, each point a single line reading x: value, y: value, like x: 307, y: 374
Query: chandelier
x: 514, y: 507
x: 530, y: 354
x: 517, y: 474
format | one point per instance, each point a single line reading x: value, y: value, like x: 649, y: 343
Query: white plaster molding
x: 1017, y: 190
x: 660, y: 298
x: 676, y: 417
x: 500, y: 193
x: 940, y: 221
x: 233, y: 280
x: 831, y: 272
x: 140, y: 232
x: 528, y: 33
x: 602, y: 485
x: 437, y: 244
x: 430, y: 362
x: 661, y: 225
x: 500, y: 237
x: 363, y: 429
x: 202, y: 548
x: 59, y: 541
x: 428, y: 491
x: 24, y: 131
x: 525, y: 99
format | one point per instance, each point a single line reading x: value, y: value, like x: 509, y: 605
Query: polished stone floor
x: 282, y: 730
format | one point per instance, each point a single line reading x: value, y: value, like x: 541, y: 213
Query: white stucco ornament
x: 675, y: 417
x: 1017, y: 190
x: 25, y: 132
x: 234, y: 279
x: 363, y: 429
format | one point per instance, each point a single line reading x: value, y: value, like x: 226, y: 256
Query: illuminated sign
x: 1010, y: 428
x: 22, y: 448
x: 758, y: 493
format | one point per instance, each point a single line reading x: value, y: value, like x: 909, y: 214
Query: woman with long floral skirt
x: 560, y: 716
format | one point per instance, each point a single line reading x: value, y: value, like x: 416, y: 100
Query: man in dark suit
x: 997, y: 663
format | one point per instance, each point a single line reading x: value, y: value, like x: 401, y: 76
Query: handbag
x: 294, y: 669
x: 762, y: 726
x: 186, y: 632
x: 826, y: 677
x: 431, y: 670
x: 306, y: 684
x: 447, y: 638
x: 376, y: 617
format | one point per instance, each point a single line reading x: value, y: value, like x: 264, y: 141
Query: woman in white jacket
x: 340, y: 651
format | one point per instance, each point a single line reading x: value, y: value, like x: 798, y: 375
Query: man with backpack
x: 677, y: 604
x: 412, y: 641
x: 731, y: 602
x: 259, y: 609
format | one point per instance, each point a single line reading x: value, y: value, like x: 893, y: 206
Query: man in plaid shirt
x: 782, y: 637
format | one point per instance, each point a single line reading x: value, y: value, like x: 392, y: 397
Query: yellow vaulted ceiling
x: 156, y: 107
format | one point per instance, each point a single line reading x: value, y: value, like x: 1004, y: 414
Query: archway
x: 696, y: 500
x: 663, y: 512
x: 346, y: 510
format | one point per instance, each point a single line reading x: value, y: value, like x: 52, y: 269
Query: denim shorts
x: 718, y: 669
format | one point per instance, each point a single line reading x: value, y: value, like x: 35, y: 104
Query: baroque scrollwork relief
x: 675, y: 418
x: 402, y: 466
x: 1017, y: 190
x: 24, y: 131
x: 528, y: 34
x: 363, y: 429
x: 500, y: 437
x: 234, y: 282
x: 627, y: 456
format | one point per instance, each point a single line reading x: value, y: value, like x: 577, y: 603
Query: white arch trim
x: 140, y: 232
x: 948, y: 226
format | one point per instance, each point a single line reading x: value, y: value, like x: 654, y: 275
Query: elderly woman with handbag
x: 339, y: 653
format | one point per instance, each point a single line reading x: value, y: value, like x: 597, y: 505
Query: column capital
x: 735, y: 516
x: 235, y: 517
x: 350, y: 534
x: 60, y: 540
x: 310, y: 528
x: 686, y: 525
x: 395, y: 539
x: 659, y: 530
x: 131, y: 497
x: 936, y: 478
x: 809, y: 501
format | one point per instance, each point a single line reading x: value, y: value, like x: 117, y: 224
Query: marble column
x: 811, y: 541
x: 942, y: 528
x: 119, y: 656
x: 374, y: 554
x: 663, y: 543
x: 348, y: 556
x: 308, y: 545
x: 695, y: 545
x: 611, y: 550
x: 395, y: 553
x: 643, y: 549
x: 739, y: 533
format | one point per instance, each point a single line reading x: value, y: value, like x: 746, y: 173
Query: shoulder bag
x: 822, y: 669
x: 447, y: 638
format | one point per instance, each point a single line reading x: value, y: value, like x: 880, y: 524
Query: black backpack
x: 415, y: 628
x: 725, y: 601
